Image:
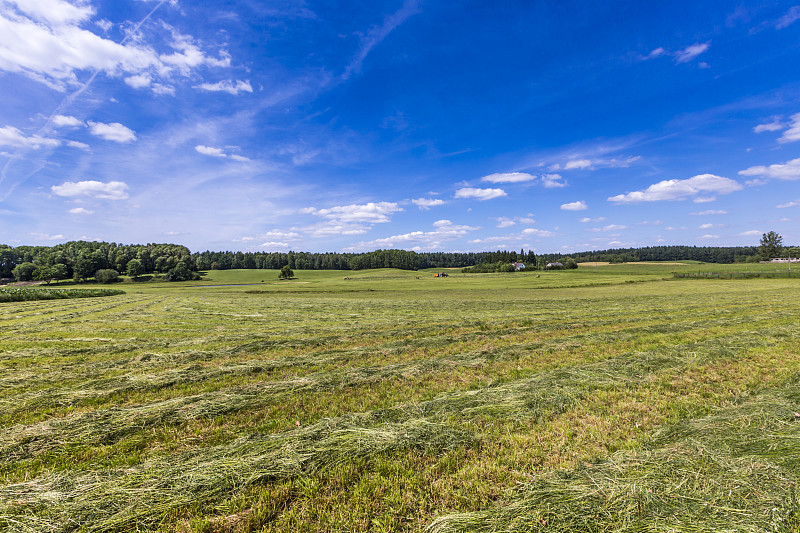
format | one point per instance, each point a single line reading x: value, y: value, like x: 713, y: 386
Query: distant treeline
x: 82, y: 259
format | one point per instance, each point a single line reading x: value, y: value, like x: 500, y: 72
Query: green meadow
x: 608, y: 398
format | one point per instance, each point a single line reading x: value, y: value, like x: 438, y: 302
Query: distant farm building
x: 554, y: 265
x: 519, y: 266
x: 783, y: 260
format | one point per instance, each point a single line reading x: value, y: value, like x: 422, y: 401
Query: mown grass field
x: 605, y: 399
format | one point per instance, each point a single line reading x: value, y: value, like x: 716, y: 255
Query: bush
x: 106, y: 275
x: 180, y: 273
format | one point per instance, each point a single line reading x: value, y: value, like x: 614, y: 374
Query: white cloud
x: 775, y: 125
x: 690, y: 52
x: 113, y: 190
x: 709, y: 236
x: 751, y: 233
x: 614, y: 227
x: 680, y: 189
x: 227, y: 86
x: 80, y: 211
x: 656, y: 53
x: 578, y: 163
x: 427, y: 203
x: 587, y: 219
x: 139, y: 81
x: 510, y: 177
x: 219, y: 152
x: 711, y: 212
x: 46, y: 237
x: 788, y: 171
x: 11, y: 136
x: 274, y: 244
x: 62, y: 121
x: 444, y: 230
x: 580, y: 205
x: 480, y: 194
x: 504, y: 222
x: 47, y: 41
x: 112, y: 132
x: 553, y: 181
x: 789, y: 18
x: 795, y: 203
x: 208, y: 150
x: 78, y: 144
x: 372, y: 212
x: 537, y: 232
x: 793, y: 132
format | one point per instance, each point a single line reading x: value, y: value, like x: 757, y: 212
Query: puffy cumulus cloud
x: 709, y: 236
x: 788, y: 171
x: 690, y: 52
x: 112, y: 190
x: 427, y: 203
x: 580, y: 205
x: 80, y: 211
x: 48, y: 41
x: 587, y: 219
x: 795, y: 203
x: 504, y: 222
x: 61, y: 121
x: 11, y: 136
x: 792, y: 133
x: 750, y: 233
x: 345, y: 218
x: 509, y: 177
x: 227, y: 86
x: 443, y: 231
x: 553, y: 181
x: 679, y: 189
x: 112, y: 132
x: 480, y: 194
x: 276, y: 245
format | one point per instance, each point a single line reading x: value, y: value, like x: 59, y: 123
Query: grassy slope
x: 384, y: 401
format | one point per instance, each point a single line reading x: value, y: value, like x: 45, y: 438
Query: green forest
x: 104, y: 261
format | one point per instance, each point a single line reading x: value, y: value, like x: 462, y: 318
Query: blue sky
x: 423, y: 125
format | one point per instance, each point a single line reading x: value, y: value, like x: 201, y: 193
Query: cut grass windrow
x: 736, y: 470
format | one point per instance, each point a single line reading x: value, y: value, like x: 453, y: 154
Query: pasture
x: 611, y: 398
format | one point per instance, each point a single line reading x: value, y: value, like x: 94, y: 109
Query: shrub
x: 106, y: 275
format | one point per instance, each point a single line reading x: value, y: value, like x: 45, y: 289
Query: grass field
x: 604, y: 399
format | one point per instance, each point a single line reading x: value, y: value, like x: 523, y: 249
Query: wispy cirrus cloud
x: 791, y: 16
x: 378, y: 33
x: 691, y: 51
